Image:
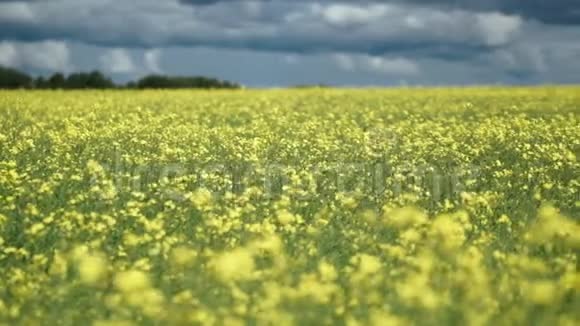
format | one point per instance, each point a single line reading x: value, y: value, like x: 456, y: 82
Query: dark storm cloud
x: 562, y: 12
x: 525, y: 36
x: 210, y: 2
x: 297, y: 27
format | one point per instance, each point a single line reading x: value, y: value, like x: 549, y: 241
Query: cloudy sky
x: 287, y: 42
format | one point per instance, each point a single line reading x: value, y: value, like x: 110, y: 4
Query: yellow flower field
x: 290, y: 207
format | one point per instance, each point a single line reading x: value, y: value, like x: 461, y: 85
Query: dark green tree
x: 41, y: 83
x: 56, y: 81
x: 12, y: 78
x: 160, y: 81
x: 90, y: 80
x: 96, y: 79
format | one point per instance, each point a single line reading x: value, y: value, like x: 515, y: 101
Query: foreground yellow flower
x: 132, y: 281
x: 234, y: 265
x: 290, y: 207
x: 92, y: 269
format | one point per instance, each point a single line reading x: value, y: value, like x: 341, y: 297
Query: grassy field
x: 290, y: 207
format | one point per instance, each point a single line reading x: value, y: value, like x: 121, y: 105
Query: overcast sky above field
x: 286, y: 42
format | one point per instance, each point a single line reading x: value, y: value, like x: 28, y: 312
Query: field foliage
x: 290, y: 207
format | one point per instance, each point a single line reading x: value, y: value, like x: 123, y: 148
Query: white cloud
x: 414, y: 22
x: 253, y: 8
x: 376, y: 64
x: 498, y: 29
x: 522, y: 57
x: 345, y: 15
x: 8, y: 54
x: 291, y: 59
x: 546, y: 52
x: 45, y: 55
x: 16, y: 12
x: 117, y: 61
x: 152, y: 61
x: 344, y: 61
x: 394, y: 66
x: 49, y: 55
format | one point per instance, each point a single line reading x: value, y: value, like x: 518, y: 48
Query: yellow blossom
x: 237, y: 264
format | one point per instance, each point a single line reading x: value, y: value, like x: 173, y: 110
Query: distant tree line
x: 11, y: 78
x: 160, y: 81
x: 319, y: 85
